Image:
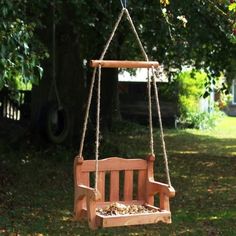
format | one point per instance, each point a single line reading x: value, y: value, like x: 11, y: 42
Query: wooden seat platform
x: 88, y: 200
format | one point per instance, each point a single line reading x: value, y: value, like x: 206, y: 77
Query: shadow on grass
x: 36, y: 194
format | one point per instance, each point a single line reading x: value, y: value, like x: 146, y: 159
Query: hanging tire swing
x: 92, y: 201
x: 55, y: 117
x: 56, y: 123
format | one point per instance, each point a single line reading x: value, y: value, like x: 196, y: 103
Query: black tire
x: 56, y: 125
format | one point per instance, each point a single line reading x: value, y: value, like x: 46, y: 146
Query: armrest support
x: 158, y: 187
x: 164, y: 191
x: 89, y: 193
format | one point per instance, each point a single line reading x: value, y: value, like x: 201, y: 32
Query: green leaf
x: 232, y: 7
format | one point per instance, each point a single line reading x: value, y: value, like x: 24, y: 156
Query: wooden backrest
x: 114, y: 168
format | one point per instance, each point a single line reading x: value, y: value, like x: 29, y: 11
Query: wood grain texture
x: 123, y: 64
x: 114, y: 185
x: 128, y: 185
x: 87, y: 199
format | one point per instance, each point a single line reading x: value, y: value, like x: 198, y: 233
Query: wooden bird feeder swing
x: 89, y: 199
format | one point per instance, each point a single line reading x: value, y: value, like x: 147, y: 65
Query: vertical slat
x: 82, y: 178
x: 101, y: 184
x: 86, y: 179
x: 114, y: 185
x: 141, y: 184
x: 128, y: 185
x: 91, y: 213
x: 164, y: 202
x: 10, y: 109
x: 150, y: 176
x: 15, y: 113
x: 22, y: 101
x: 4, y: 107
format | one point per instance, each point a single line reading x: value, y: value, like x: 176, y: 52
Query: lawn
x: 36, y: 184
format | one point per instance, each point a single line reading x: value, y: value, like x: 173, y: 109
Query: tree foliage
x: 199, y: 33
x: 20, y: 52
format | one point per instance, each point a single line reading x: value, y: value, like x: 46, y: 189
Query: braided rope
x: 98, y: 127
x: 121, y: 2
x: 151, y: 143
x: 87, y: 113
x: 98, y: 102
x: 92, y: 85
x: 161, y: 126
x: 54, y: 82
x: 112, y: 34
x: 124, y: 10
x: 136, y: 34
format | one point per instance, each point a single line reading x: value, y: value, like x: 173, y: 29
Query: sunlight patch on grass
x: 219, y: 215
x: 226, y: 128
x: 38, y: 189
x: 187, y: 152
x: 216, y: 142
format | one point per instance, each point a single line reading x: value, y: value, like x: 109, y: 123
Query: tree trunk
x: 73, y: 92
x: 71, y: 81
x: 109, y: 98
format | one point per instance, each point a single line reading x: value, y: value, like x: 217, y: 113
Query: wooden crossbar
x: 124, y: 64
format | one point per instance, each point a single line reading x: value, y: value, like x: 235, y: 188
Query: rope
x: 161, y: 127
x: 99, y: 97
x: 122, y: 5
x: 98, y: 104
x: 112, y: 34
x: 87, y: 113
x: 124, y: 10
x: 136, y: 34
x: 98, y: 127
x: 150, y: 114
x: 54, y: 82
x: 151, y: 142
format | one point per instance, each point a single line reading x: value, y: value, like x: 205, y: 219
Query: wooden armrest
x: 158, y: 187
x: 85, y: 191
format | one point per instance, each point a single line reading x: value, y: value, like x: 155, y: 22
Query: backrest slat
x: 141, y: 184
x: 114, y: 165
x: 86, y: 179
x: 114, y: 185
x: 101, y: 185
x: 81, y: 177
x: 128, y: 185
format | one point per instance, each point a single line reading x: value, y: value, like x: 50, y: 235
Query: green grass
x: 36, y: 185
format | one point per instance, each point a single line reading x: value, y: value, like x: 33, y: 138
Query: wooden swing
x: 89, y: 199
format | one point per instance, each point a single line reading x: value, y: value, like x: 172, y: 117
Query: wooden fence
x: 15, y: 105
